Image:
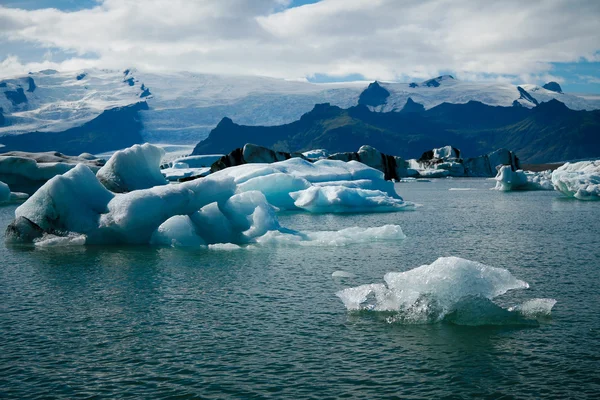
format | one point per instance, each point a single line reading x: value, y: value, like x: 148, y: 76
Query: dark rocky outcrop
x: 487, y: 164
x: 129, y: 81
x: 393, y: 167
x: 251, y: 153
x: 23, y: 230
x: 374, y: 95
x: 81, y: 76
x: 16, y: 96
x: 553, y: 86
x: 31, y: 86
x: 145, y: 91
x: 411, y: 106
x: 526, y: 96
x: 113, y: 129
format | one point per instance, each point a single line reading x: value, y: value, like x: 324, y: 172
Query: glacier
x: 451, y: 289
x: 184, y: 106
x: 580, y: 180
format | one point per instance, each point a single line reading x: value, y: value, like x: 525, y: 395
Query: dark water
x: 140, y: 322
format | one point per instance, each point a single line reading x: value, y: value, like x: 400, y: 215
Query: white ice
x: 508, y: 180
x: 451, y: 288
x: 134, y: 168
x: 342, y: 199
x: 580, y: 180
x: 316, y: 154
x: 6, y: 196
x: 236, y: 205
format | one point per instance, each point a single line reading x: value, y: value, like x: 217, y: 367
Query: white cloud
x: 380, y: 39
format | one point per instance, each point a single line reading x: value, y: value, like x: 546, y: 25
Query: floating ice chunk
x: 343, y: 274
x: 579, y: 180
x: 370, y: 184
x: 56, y: 241
x: 536, y: 308
x: 342, y: 237
x: 434, y: 173
x: 451, y: 289
x: 224, y: 247
x: 137, y: 167
x: 341, y: 199
x: 507, y: 180
x: 6, y: 196
x: 316, y: 154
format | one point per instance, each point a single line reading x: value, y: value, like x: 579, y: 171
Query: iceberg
x: 316, y: 154
x: 137, y: 167
x: 342, y: 199
x: 507, y: 180
x: 27, y: 172
x: 580, y: 180
x: 6, y: 196
x: 77, y: 202
x: 451, y: 289
x: 236, y: 205
x: 323, y: 186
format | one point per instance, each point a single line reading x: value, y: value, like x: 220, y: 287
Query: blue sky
x: 334, y: 40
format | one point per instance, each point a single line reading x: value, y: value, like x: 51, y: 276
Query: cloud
x: 378, y: 39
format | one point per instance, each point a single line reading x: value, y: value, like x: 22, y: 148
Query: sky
x: 517, y: 41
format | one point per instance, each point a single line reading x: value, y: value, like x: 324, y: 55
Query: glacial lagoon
x: 264, y: 321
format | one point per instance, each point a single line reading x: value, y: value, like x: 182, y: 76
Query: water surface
x: 143, y: 322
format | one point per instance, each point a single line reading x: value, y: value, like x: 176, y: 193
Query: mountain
x: 553, y: 86
x: 118, y: 127
x: 184, y: 107
x: 548, y: 132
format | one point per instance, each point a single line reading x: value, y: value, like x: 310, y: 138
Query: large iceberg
x: 137, y: 167
x: 322, y: 186
x: 507, y: 180
x: 77, y: 202
x: 450, y: 289
x: 235, y: 205
x: 580, y: 180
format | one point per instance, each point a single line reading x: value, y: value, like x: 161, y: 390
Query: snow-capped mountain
x: 51, y: 101
x: 184, y: 107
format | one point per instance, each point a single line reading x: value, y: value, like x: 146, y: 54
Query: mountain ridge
x: 549, y: 132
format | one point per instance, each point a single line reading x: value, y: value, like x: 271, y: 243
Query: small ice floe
x: 451, y: 289
x: 343, y: 274
x: 580, y: 180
